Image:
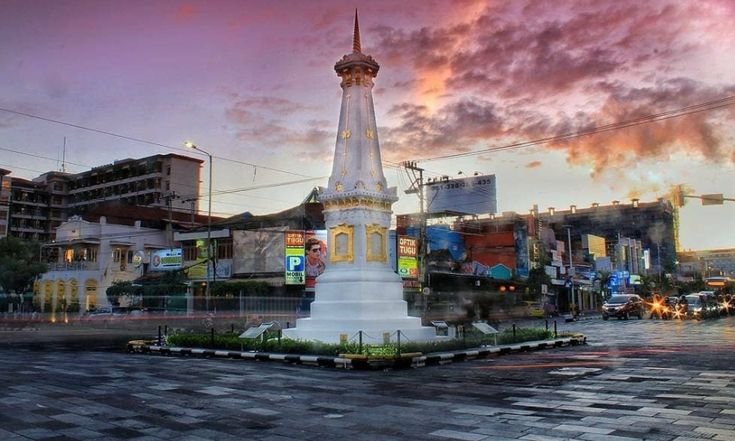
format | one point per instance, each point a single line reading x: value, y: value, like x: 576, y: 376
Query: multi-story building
x: 87, y: 257
x: 636, y: 227
x: 37, y: 207
x: 707, y: 263
x: 28, y: 210
x: 4, y: 202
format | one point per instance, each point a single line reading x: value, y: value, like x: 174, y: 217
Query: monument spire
x: 358, y: 293
x: 356, y: 35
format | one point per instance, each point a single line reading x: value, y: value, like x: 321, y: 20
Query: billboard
x: 315, y: 255
x: 166, y: 260
x: 595, y: 245
x: 305, y: 256
x: 199, y: 269
x: 258, y: 251
x: 294, y: 258
x: 475, y: 195
x: 408, y: 267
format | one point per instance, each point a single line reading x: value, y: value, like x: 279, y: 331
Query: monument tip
x: 356, y: 36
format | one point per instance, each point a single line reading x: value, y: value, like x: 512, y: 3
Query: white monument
x: 358, y: 294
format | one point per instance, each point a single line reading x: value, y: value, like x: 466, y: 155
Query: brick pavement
x: 636, y: 380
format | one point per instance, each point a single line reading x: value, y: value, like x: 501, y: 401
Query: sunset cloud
x: 535, y: 72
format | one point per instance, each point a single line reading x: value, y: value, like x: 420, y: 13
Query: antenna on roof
x: 63, y: 158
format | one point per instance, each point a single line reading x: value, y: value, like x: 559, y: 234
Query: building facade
x: 4, y: 202
x: 707, y: 263
x: 35, y: 208
x: 86, y: 258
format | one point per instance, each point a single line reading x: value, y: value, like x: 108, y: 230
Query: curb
x: 432, y: 359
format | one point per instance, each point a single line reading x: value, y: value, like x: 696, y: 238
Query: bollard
x: 556, y: 335
x: 211, y: 337
x: 399, y: 342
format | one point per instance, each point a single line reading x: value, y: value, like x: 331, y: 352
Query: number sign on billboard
x: 475, y: 195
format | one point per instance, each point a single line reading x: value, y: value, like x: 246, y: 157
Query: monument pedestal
x: 350, y: 300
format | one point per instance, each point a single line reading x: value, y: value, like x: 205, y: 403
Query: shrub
x: 273, y: 343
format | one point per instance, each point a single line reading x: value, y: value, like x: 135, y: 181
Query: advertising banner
x: 258, y: 251
x: 294, y: 257
x: 408, y: 267
x: 315, y: 255
x: 475, y: 195
x: 166, y: 260
x: 199, y: 269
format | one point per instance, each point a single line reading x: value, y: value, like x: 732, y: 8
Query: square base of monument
x: 370, y: 335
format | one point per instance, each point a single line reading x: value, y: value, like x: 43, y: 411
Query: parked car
x: 701, y: 307
x: 534, y: 309
x: 623, y: 306
x: 103, y: 313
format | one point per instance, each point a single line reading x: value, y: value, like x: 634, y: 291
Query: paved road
x: 635, y: 380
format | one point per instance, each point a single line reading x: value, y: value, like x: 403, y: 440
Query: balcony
x: 74, y: 266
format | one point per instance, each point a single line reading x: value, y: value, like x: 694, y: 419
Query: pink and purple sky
x: 252, y: 82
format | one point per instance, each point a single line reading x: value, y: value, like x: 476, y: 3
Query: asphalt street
x: 634, y: 380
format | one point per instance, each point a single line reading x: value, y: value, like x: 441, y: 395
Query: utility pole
x: 169, y: 201
x: 192, y: 201
x: 416, y: 175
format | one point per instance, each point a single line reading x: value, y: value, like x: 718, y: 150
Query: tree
x: 122, y: 289
x: 19, y: 264
x: 536, y: 278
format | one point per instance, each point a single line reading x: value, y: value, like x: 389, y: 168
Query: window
x: 119, y: 254
x: 189, y: 251
x: 224, y: 248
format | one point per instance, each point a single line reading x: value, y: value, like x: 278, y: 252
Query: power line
x: 140, y: 140
x: 688, y: 110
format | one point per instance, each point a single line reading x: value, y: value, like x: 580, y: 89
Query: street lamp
x: 191, y: 145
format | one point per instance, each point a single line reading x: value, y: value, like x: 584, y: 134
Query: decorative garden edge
x: 358, y: 361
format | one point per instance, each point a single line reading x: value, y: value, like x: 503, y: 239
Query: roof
x: 307, y: 216
x: 150, y: 217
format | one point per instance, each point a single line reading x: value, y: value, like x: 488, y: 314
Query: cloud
x: 533, y: 70
x: 269, y: 122
x: 452, y: 129
x: 185, y: 13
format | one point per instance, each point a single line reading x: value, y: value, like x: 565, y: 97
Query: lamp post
x: 191, y: 145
